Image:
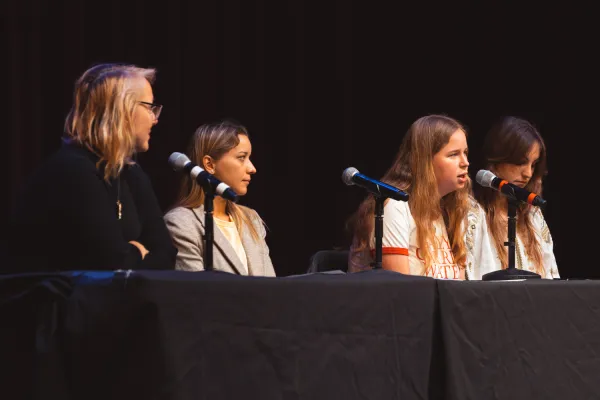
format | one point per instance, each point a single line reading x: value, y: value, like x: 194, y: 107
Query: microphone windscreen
x: 485, y: 178
x: 348, y: 174
x: 178, y: 160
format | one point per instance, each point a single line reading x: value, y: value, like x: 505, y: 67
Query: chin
x: 460, y: 186
x: 143, y: 147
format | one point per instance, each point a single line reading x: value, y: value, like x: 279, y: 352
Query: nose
x: 251, y: 168
x: 464, y: 161
x: 527, y: 171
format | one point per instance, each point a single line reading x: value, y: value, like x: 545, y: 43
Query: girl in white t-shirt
x: 426, y: 235
x: 515, y: 151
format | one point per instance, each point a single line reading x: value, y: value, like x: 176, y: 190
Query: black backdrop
x: 321, y: 87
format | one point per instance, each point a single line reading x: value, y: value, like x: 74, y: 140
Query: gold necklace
x: 119, y: 205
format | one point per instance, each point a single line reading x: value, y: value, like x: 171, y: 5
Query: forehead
x: 143, y: 88
x: 458, y: 138
x: 534, y: 152
x: 244, y: 142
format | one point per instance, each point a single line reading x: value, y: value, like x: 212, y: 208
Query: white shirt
x: 488, y: 256
x: 400, y: 237
x: 230, y: 232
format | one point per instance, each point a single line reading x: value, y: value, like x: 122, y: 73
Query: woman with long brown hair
x: 515, y: 151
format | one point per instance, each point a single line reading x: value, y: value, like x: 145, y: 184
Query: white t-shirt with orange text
x: 400, y: 237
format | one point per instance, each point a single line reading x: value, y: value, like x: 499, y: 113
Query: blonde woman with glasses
x: 90, y: 206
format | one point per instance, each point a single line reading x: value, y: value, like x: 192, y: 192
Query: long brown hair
x: 101, y: 118
x: 413, y: 172
x: 509, y: 141
x: 214, y: 140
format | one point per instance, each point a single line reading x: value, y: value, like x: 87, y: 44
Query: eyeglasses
x: 154, y: 108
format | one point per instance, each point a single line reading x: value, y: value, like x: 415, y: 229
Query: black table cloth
x: 185, y: 335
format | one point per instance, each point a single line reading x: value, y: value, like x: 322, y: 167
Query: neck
x: 220, y: 205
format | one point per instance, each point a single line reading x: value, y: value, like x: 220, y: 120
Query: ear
x: 208, y: 164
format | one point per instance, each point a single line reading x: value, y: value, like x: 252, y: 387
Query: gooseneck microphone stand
x: 379, y: 200
x: 380, y: 191
x: 209, y: 197
x: 511, y: 273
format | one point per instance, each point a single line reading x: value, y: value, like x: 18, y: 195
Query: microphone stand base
x: 510, y: 274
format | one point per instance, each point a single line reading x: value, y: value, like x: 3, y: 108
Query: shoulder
x: 474, y: 205
x: 257, y: 222
x: 396, y: 207
x: 537, y: 216
x: 135, y: 169
x: 67, y: 169
x: 135, y: 174
x: 475, y: 213
x: 397, y: 218
x: 250, y: 213
x: 179, y: 214
x: 537, y: 219
x: 476, y: 225
x: 183, y: 223
x: 72, y: 159
x: 253, y: 216
x: 540, y: 225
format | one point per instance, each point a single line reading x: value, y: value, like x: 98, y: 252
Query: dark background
x: 320, y: 87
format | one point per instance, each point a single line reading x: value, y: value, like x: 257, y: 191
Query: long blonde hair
x: 214, y: 140
x: 413, y: 172
x: 101, y: 118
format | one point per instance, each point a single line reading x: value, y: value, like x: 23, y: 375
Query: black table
x: 211, y: 335
x: 375, y: 335
x: 536, y: 339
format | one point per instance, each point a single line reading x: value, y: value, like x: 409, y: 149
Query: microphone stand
x: 209, y: 196
x: 511, y: 273
x: 379, y: 200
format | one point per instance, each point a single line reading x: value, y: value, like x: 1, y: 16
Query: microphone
x: 488, y: 179
x: 179, y: 161
x: 351, y: 176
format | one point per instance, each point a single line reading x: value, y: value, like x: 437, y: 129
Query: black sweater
x: 66, y: 219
